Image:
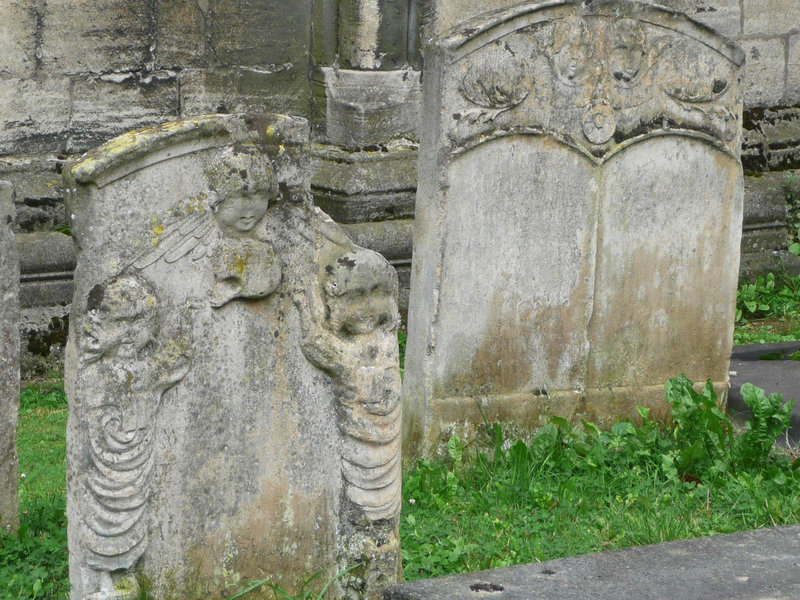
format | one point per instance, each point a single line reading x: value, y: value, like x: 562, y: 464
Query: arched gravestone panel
x: 578, y: 216
x: 231, y: 370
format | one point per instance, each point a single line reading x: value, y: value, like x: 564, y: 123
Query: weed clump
x: 768, y: 310
x: 577, y: 490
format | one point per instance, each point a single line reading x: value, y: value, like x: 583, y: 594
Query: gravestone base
x: 521, y: 415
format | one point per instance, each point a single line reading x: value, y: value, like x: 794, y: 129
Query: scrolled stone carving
x: 599, y: 123
x: 489, y: 87
x: 595, y: 76
x: 130, y: 368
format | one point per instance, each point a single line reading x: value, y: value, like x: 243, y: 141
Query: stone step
x: 753, y: 565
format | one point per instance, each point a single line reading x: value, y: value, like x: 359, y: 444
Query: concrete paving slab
x: 753, y: 565
x: 769, y: 367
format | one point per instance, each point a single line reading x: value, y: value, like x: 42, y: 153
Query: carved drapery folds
x: 349, y: 330
x: 122, y: 354
x: 594, y: 77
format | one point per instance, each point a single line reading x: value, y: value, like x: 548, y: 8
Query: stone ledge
x: 356, y: 108
x: 45, y: 252
x: 754, y: 565
x: 523, y: 413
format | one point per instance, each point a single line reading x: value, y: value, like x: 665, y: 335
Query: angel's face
x: 627, y: 53
x: 570, y: 61
x: 240, y: 212
x: 107, y: 335
x: 571, y: 49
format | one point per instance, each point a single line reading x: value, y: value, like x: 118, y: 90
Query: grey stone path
x: 767, y: 366
x: 754, y: 565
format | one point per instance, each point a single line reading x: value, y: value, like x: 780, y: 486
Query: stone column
x: 9, y: 362
x: 365, y: 115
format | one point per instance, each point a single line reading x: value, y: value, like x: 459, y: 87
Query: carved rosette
x: 594, y: 77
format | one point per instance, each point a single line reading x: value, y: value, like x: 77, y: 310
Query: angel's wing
x: 194, y: 233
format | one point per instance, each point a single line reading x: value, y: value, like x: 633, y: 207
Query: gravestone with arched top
x: 578, y: 216
x: 231, y: 370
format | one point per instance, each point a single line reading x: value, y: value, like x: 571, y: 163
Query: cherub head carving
x: 627, y: 50
x: 242, y: 184
x: 360, y: 291
x: 571, y: 48
x: 121, y: 319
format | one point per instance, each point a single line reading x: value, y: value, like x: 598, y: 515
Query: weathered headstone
x: 9, y: 362
x: 578, y: 216
x: 232, y: 372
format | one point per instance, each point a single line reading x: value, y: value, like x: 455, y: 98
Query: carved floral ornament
x: 595, y: 81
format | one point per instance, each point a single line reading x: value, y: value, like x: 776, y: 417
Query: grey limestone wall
x: 9, y: 363
x: 74, y: 73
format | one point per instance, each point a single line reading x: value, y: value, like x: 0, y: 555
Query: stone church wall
x: 74, y: 73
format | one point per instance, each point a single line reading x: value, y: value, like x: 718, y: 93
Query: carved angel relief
x: 349, y: 331
x: 222, y: 226
x: 129, y: 369
x: 597, y: 79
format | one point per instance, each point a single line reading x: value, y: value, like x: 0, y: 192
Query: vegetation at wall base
x: 402, y: 338
x: 768, y: 310
x: 791, y: 187
x: 572, y: 491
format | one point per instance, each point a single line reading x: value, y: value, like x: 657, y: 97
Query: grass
x: 570, y: 491
x: 575, y: 491
x: 33, y: 564
x: 791, y: 189
x: 768, y: 310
